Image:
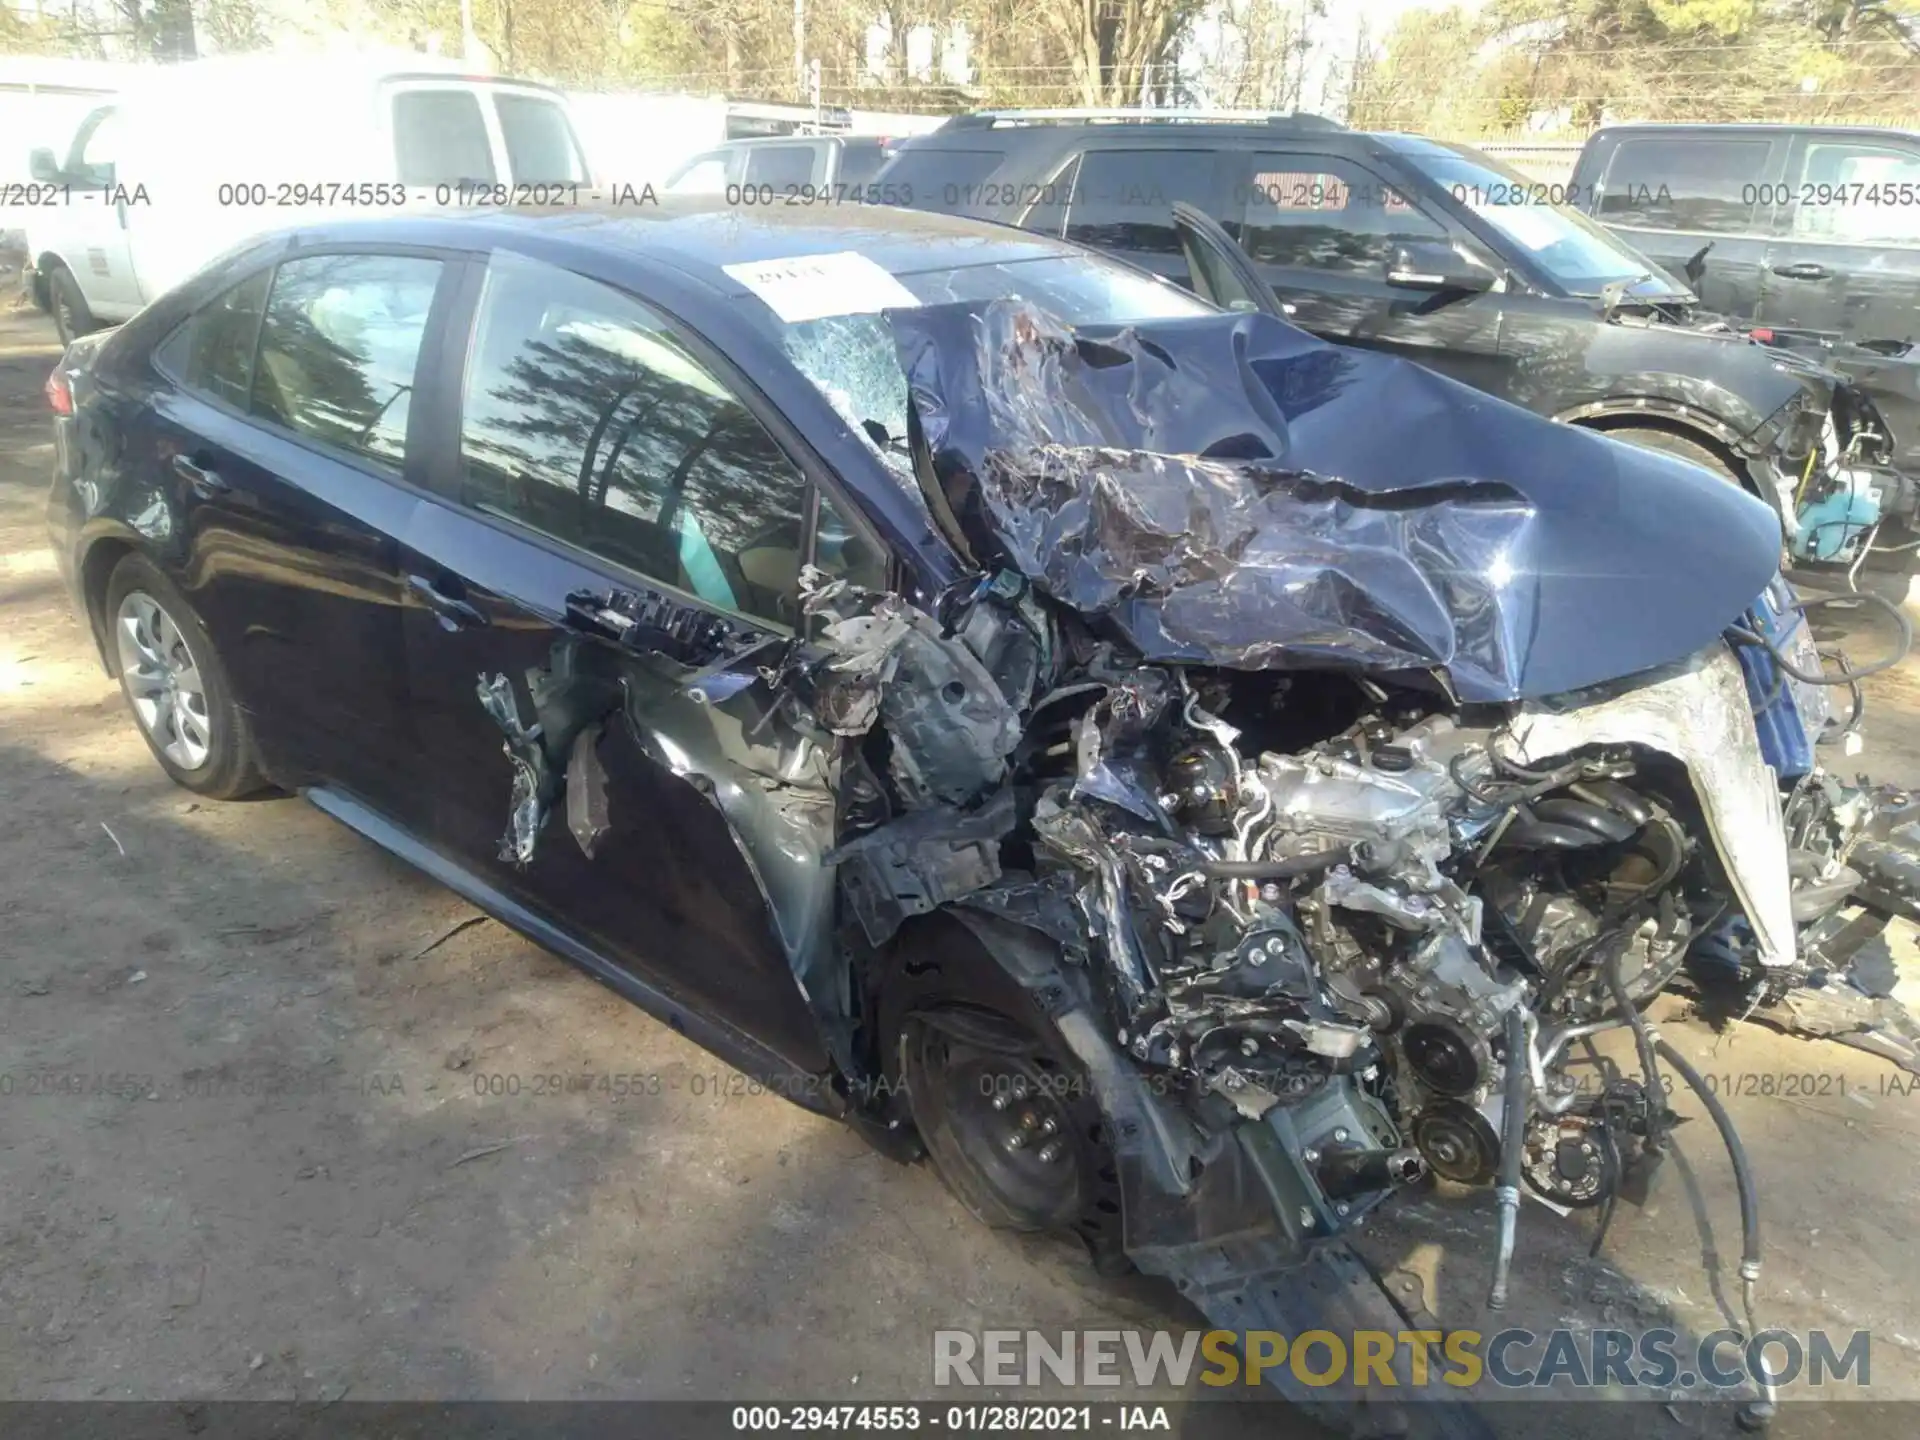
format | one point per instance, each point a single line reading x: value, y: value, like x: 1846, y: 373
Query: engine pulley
x: 1459, y: 1143
x: 1446, y: 1058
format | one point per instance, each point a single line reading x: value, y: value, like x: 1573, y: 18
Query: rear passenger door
x: 1846, y: 260
x: 596, y: 463
x: 289, y: 446
x: 1670, y: 196
x: 1323, y: 229
x: 1121, y: 199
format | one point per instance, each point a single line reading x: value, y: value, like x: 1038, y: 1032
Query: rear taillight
x: 60, y: 393
x: 1763, y: 335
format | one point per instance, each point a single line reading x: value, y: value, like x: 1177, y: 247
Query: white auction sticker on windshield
x: 812, y: 287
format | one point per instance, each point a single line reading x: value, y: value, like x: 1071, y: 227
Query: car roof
x: 984, y: 137
x: 275, y: 74
x: 748, y: 142
x: 699, y: 234
x: 1754, y: 127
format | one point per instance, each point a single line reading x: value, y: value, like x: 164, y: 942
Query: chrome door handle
x: 204, y: 482
x: 452, y: 612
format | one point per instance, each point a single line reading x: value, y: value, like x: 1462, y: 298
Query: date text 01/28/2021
x: 949, y: 1419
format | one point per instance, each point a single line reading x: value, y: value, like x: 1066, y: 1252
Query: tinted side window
x: 1327, y: 214
x: 1857, y: 192
x: 859, y: 163
x: 780, y: 165
x: 1123, y: 199
x: 213, y: 351
x: 338, y: 346
x: 439, y: 137
x: 540, y: 148
x: 1699, y: 182
x: 939, y: 179
x: 586, y: 420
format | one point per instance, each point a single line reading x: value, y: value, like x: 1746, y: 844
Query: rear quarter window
x: 859, y: 164
x: 781, y: 166
x: 212, y: 350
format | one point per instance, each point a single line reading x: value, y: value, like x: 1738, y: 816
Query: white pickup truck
x: 191, y: 159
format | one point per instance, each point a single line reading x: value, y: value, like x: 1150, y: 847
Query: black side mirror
x: 1430, y: 265
x: 43, y: 167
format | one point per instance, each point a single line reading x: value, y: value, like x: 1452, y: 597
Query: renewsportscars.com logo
x: 1512, y: 1359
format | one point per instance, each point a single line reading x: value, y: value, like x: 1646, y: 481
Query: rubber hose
x: 1643, y: 1041
x: 1742, y: 1170
x: 1291, y: 868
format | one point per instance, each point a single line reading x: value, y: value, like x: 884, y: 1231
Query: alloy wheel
x: 162, y: 681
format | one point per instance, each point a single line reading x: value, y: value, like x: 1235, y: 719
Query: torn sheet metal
x: 526, y: 806
x: 921, y: 861
x: 950, y: 725
x: 1878, y: 1025
x: 1697, y: 713
x: 1228, y: 490
x: 588, y: 816
x: 571, y: 694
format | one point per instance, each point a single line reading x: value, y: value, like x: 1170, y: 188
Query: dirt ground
x: 250, y: 1146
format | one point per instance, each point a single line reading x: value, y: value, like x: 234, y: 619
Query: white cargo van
x: 190, y: 159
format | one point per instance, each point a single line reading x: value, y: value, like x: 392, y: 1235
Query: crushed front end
x: 1318, y: 790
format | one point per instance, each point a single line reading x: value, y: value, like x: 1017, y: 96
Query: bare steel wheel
x: 175, y: 685
x: 995, y: 1117
x: 1008, y: 1116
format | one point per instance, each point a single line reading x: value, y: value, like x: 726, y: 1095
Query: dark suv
x: 1808, y: 235
x: 1806, y: 227
x: 1427, y: 250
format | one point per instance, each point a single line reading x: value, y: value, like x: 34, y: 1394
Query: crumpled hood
x: 1228, y: 490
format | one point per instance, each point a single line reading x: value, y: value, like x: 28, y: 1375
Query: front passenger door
x: 612, y: 521
x: 1847, y: 264
x: 1222, y: 274
x: 92, y: 230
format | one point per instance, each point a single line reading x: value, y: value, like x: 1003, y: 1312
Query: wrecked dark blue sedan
x: 1189, y: 780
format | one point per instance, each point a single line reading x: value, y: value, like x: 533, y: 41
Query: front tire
x: 1006, y: 1113
x: 72, y: 316
x: 175, y: 685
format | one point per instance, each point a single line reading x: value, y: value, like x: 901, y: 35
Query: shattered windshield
x: 853, y: 361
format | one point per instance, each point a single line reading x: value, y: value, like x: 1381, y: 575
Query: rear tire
x: 175, y: 685
x: 72, y: 316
